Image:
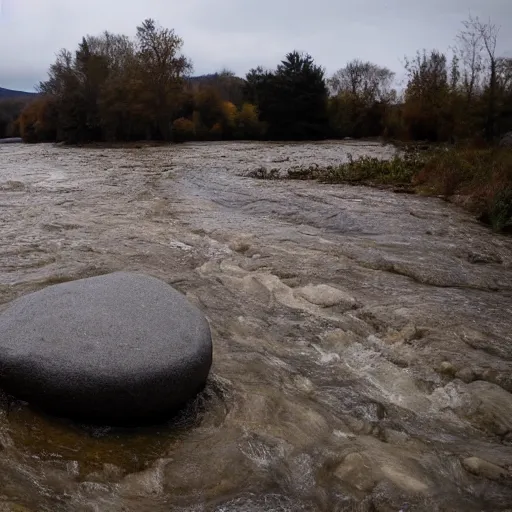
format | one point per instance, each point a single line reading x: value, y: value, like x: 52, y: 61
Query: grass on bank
x: 479, y: 179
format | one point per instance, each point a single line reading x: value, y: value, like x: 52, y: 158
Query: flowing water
x: 362, y: 339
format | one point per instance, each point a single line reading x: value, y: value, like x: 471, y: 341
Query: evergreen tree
x: 293, y: 99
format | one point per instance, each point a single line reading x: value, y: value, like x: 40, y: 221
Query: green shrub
x: 399, y: 170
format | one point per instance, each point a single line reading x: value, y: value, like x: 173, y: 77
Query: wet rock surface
x: 481, y: 467
x: 116, y: 348
x: 343, y: 333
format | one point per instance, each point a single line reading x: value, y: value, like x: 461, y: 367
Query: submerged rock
x: 484, y: 468
x: 117, y: 348
x: 466, y: 375
x: 491, y: 407
x: 357, y: 471
x: 326, y: 296
x: 447, y: 368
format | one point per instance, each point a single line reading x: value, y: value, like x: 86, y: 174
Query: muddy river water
x: 362, y: 339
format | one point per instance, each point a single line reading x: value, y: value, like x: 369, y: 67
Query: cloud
x: 240, y: 34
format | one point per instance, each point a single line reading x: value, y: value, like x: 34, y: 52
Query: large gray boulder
x: 116, y: 348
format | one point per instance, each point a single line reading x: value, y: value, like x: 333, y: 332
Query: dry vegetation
x: 481, y: 179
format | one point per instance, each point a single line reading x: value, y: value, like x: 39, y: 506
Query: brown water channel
x: 362, y: 339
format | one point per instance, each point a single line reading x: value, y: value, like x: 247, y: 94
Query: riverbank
x: 478, y: 179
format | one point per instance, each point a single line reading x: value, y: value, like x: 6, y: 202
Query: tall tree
x: 92, y: 70
x: 75, y: 85
x: 427, y: 96
x: 64, y: 87
x: 361, y: 93
x: 504, y: 93
x: 477, y: 43
x: 113, y: 87
x: 120, y: 106
x: 488, y: 33
x: 469, y: 49
x: 10, y: 109
x: 292, y: 100
x: 366, y: 81
x: 257, y: 84
x: 162, y: 68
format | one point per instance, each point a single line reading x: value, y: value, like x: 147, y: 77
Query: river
x: 362, y: 338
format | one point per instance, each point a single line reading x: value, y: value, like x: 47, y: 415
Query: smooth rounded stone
x: 465, y: 375
x: 326, y: 296
x: 480, y: 467
x: 117, y: 348
x: 447, y: 368
x: 406, y: 480
x: 357, y: 471
x: 492, y: 407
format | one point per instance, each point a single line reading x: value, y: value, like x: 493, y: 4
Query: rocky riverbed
x: 362, y: 339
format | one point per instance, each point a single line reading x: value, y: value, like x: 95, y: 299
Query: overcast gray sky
x: 241, y: 34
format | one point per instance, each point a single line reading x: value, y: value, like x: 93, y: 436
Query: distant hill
x: 9, y: 93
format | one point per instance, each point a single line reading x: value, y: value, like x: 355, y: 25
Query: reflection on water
x: 131, y: 449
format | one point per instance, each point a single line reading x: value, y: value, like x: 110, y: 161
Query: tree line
x: 116, y: 88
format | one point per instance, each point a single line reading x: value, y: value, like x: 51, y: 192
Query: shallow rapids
x: 362, y: 339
